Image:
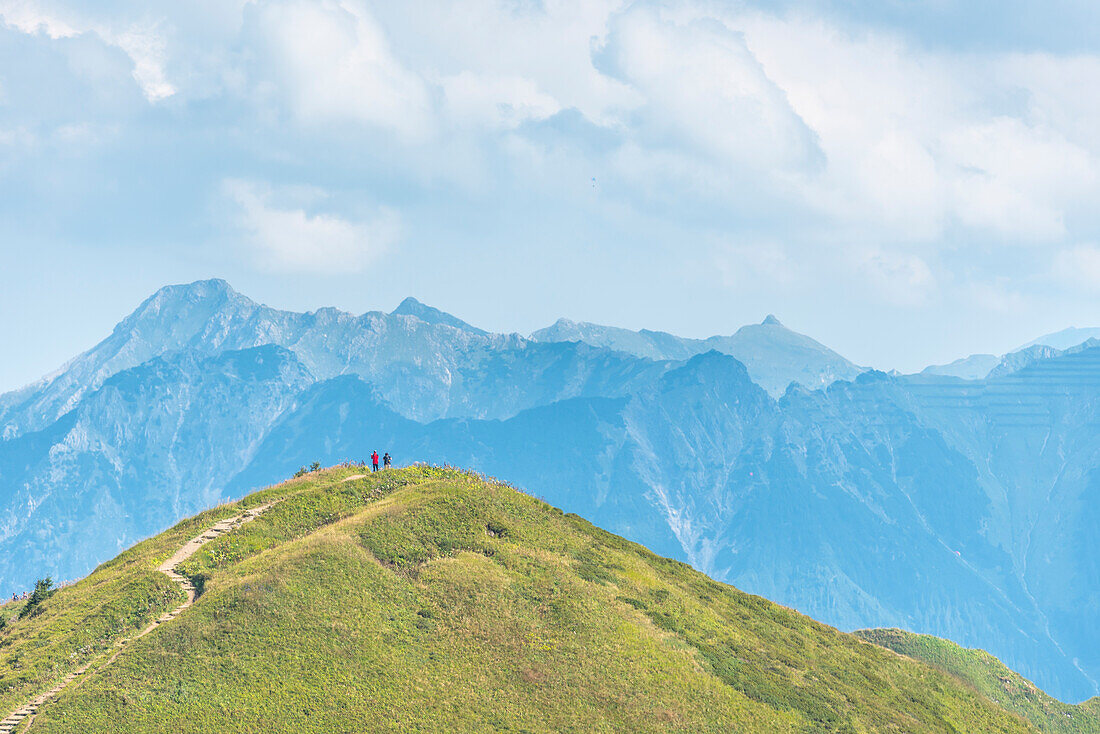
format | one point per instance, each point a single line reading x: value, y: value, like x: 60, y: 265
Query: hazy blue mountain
x: 415, y: 361
x: 1064, y: 339
x: 965, y: 508
x: 655, y: 345
x: 424, y: 369
x: 851, y: 504
x: 430, y: 315
x: 978, y: 366
x: 1032, y: 435
x: 150, y: 445
x: 974, y: 367
x: 171, y: 319
x: 774, y: 355
x: 1016, y: 361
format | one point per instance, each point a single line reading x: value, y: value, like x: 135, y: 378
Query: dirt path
x: 29, y: 710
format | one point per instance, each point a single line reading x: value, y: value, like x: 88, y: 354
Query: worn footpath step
x: 15, y: 718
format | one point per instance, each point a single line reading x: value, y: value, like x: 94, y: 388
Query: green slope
x: 993, y: 679
x: 427, y: 599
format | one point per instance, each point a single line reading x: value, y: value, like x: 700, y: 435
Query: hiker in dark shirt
x: 386, y: 460
x: 374, y: 460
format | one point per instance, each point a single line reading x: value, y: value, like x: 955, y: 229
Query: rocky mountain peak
x: 428, y: 314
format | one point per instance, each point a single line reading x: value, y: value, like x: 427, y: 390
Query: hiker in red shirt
x: 374, y: 460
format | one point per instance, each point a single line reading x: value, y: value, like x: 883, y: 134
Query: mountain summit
x: 412, y: 307
x: 1064, y: 339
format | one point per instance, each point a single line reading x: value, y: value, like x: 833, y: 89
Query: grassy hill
x: 428, y: 599
x: 993, y: 679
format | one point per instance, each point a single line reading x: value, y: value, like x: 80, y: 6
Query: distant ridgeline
x: 430, y: 599
x: 964, y: 508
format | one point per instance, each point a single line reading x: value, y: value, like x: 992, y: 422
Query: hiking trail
x: 29, y: 710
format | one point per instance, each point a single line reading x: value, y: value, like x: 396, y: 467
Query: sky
x: 906, y: 182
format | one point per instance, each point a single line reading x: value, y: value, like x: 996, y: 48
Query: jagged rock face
x: 963, y: 508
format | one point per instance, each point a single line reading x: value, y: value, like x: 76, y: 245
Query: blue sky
x: 907, y: 182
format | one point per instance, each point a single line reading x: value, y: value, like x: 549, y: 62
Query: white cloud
x: 288, y: 238
x: 547, y: 43
x: 147, y: 50
x: 705, y: 91
x: 139, y: 40
x: 333, y: 62
x: 1052, y: 84
x: 895, y: 277
x: 752, y: 265
x: 878, y: 136
x: 998, y: 297
x: 714, y: 123
x: 1015, y: 179
x: 918, y: 141
x: 29, y: 17
x: 1078, y: 267
x: 495, y: 102
x: 20, y: 137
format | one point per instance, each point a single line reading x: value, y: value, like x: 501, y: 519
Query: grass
x: 427, y: 599
x: 992, y: 679
x: 76, y: 624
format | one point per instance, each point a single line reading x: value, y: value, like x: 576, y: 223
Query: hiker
x: 386, y: 460
x: 374, y: 460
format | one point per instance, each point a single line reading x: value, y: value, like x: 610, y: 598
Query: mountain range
x: 960, y: 506
x: 773, y: 355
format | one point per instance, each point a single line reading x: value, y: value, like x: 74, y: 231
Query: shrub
x: 42, y: 590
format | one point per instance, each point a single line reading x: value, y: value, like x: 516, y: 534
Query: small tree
x: 42, y: 590
x: 315, y: 466
x: 300, y: 473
